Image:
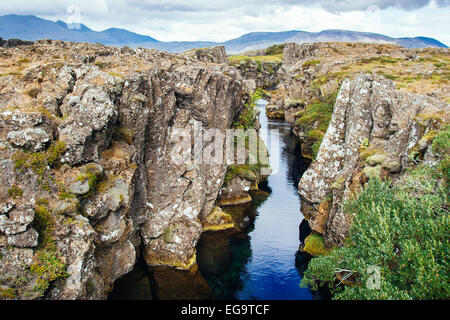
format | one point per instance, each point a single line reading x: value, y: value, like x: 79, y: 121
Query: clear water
x: 271, y: 271
x: 261, y: 263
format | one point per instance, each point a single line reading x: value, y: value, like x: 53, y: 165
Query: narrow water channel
x: 259, y: 262
x: 271, y: 272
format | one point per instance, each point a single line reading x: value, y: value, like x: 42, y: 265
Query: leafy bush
x: 248, y: 117
x: 275, y: 49
x: 404, y: 229
x: 441, y: 143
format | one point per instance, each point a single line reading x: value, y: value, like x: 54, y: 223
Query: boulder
x: 35, y: 139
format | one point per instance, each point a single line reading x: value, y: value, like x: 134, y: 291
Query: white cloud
x: 221, y: 20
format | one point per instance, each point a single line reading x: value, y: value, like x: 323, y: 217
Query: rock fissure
x: 109, y: 116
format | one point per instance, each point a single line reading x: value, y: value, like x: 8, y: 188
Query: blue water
x: 274, y: 241
x: 258, y: 262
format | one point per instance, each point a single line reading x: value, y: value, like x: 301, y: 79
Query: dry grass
x: 272, y: 58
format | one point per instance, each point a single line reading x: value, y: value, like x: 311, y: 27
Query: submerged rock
x: 217, y: 220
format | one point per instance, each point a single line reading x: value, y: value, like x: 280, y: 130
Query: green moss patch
x: 315, y: 245
x: 40, y: 162
x: 15, y: 192
x: 314, y: 120
x: 48, y: 267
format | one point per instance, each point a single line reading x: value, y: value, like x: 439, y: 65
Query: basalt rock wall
x: 86, y: 172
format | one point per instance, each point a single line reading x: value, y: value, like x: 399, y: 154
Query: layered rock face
x: 312, y: 74
x: 11, y: 43
x: 259, y: 74
x: 86, y: 167
x: 375, y: 130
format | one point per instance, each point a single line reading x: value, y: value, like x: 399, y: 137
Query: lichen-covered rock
x: 67, y: 206
x: 18, y: 220
x: 375, y: 159
x: 392, y: 166
x: 34, y: 139
x: 27, y: 239
x: 20, y: 120
x: 372, y: 172
x: 79, y: 188
x: 236, y: 192
x: 368, y: 111
x: 263, y: 73
x: 101, y: 181
x: 214, y: 54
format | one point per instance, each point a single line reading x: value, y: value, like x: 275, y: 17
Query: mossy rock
x: 372, y: 172
x: 80, y: 187
x: 315, y: 245
x: 392, y: 166
x: 246, y: 173
x: 365, y: 152
x: 376, y: 159
x: 218, y: 220
x: 339, y: 183
x: 66, y: 206
x: 365, y: 142
x: 93, y: 168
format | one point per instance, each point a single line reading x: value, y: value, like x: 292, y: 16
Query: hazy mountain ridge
x: 34, y: 28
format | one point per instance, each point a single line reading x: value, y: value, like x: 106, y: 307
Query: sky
x: 221, y: 20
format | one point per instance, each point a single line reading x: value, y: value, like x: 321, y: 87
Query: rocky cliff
x: 86, y: 175
x: 375, y: 131
x: 312, y: 74
x: 361, y: 111
x: 258, y: 73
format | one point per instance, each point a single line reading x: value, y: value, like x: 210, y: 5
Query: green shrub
x: 249, y: 115
x: 441, y: 143
x: 275, y: 49
x: 403, y: 229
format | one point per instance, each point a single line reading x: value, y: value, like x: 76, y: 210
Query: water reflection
x: 258, y: 259
x: 171, y: 284
x: 133, y: 286
x: 262, y: 263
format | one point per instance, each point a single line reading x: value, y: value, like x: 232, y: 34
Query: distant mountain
x: 261, y: 40
x: 34, y: 28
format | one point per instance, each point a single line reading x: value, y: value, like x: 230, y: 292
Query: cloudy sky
x: 219, y: 20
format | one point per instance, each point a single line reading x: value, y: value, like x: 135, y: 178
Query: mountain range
x: 28, y: 27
